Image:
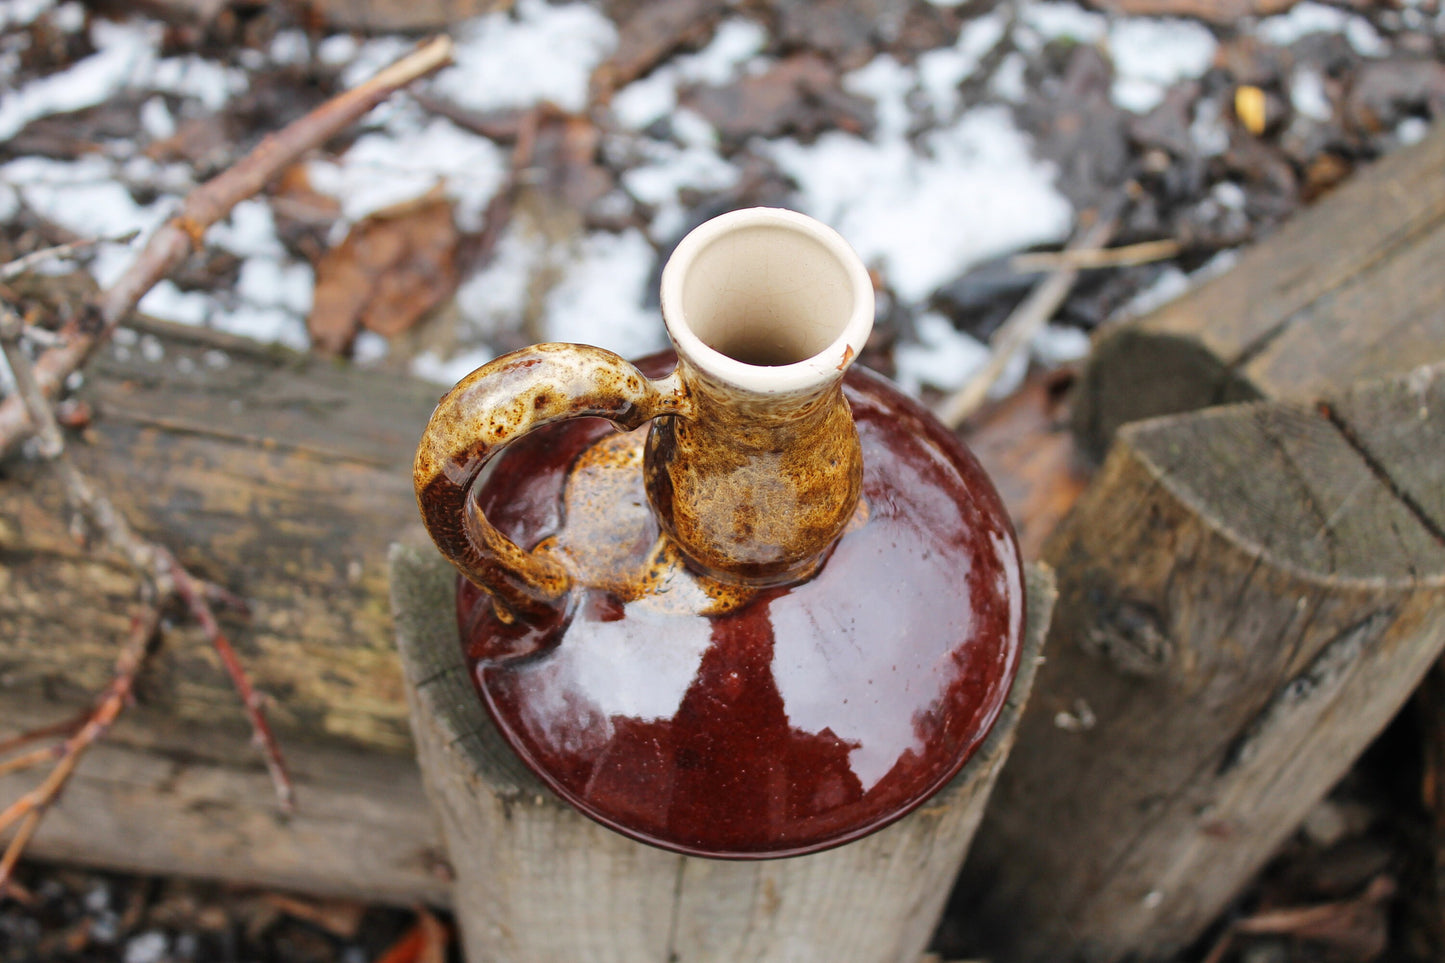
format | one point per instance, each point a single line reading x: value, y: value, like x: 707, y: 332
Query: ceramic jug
x: 742, y: 600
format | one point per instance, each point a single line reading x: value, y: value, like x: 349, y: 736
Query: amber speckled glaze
x: 776, y: 618
x: 753, y: 722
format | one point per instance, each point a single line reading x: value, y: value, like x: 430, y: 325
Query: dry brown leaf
x: 390, y: 271
x: 425, y: 942
x: 400, y: 16
x: 1223, y: 12
x: 650, y: 34
x: 801, y: 95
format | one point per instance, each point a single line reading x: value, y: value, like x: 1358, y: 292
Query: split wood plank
x: 1247, y: 595
x: 284, y: 479
x: 1347, y: 290
x: 539, y: 882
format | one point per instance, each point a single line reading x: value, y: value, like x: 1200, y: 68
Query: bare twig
x: 32, y: 758
x: 24, y: 263
x: 205, y: 206
x: 1026, y: 321
x: 194, y: 593
x: 30, y: 808
x: 155, y: 562
x: 63, y: 728
x: 1129, y: 255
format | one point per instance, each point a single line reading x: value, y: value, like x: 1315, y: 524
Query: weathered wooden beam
x: 158, y: 795
x: 1347, y: 290
x: 284, y: 479
x: 1247, y: 595
x: 539, y: 882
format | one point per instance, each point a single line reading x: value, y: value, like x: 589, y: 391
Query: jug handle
x: 493, y: 406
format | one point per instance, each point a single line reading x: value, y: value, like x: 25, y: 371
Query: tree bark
x: 1247, y: 595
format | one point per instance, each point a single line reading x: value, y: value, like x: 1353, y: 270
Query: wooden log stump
x: 537, y: 881
x: 1348, y: 290
x: 1247, y: 595
x: 283, y: 478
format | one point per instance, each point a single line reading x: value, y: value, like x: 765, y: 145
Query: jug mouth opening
x: 767, y: 300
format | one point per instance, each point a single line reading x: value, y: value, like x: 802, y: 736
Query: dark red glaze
x: 809, y: 716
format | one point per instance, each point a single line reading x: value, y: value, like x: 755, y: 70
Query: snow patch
x: 1151, y: 54
x: 600, y: 299
x: 170, y: 303
x: 668, y: 171
x: 265, y: 282
x: 494, y: 298
x: 941, y: 71
x: 975, y: 192
x: 209, y: 82
x: 1304, y: 19
x: 250, y: 231
x: 429, y: 366
x: 123, y: 52
x: 381, y: 170
x: 1059, y: 344
x: 1064, y: 21
x: 543, y: 53
x: 156, y: 119
x: 943, y: 357
x: 1307, y: 95
x: 644, y: 101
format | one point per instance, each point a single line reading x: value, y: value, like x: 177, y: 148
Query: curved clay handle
x: 494, y: 405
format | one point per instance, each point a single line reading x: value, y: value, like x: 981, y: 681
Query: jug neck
x: 766, y: 309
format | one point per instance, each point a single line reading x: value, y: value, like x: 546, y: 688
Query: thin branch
x: 34, y: 757
x: 193, y: 592
x: 26, y: 262
x: 63, y: 728
x: 30, y: 808
x: 1026, y: 321
x: 206, y: 205
x: 1130, y: 255
x: 155, y: 562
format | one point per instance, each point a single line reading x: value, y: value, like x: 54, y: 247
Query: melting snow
x: 972, y: 193
x: 735, y: 44
x: 1064, y: 21
x: 381, y: 170
x: 124, y: 52
x: 543, y: 53
x: 1149, y: 55
x: 600, y: 299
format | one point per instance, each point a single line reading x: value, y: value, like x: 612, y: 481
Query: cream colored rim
x: 770, y: 277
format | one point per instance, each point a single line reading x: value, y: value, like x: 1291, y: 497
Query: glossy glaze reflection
x: 793, y: 718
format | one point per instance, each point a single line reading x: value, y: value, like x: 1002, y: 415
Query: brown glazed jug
x: 740, y: 601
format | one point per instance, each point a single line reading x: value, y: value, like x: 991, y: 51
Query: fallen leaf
x: 1222, y: 12
x: 400, y: 16
x: 801, y: 95
x: 652, y: 32
x: 848, y: 31
x: 390, y: 271
x: 425, y: 942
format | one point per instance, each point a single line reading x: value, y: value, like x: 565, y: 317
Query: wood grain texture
x: 160, y: 796
x: 1246, y: 596
x: 1347, y: 290
x: 537, y: 881
x: 283, y: 479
